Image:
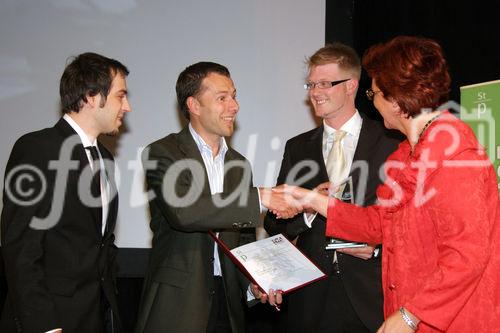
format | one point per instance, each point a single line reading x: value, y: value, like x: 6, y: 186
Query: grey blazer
x: 178, y: 287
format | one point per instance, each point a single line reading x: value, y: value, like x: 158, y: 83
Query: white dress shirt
x: 215, y: 173
x: 104, y: 181
x: 349, y: 143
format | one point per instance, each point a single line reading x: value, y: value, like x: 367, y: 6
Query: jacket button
x: 102, y: 279
x: 212, y: 292
x: 212, y: 259
x: 392, y: 286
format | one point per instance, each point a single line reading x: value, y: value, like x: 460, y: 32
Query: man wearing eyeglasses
x: 349, y: 149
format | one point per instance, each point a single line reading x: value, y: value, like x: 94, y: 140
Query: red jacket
x: 438, y: 219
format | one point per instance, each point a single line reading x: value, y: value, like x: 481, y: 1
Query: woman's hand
x: 323, y: 188
x: 395, y: 324
x: 295, y: 193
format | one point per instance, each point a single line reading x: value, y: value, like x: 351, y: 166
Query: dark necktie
x: 96, y: 168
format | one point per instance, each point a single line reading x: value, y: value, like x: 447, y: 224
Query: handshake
x: 284, y: 201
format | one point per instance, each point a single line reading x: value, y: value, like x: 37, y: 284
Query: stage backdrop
x: 264, y: 44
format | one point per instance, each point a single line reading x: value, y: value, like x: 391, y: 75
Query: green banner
x: 480, y: 108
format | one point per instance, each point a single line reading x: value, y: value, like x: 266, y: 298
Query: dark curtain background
x: 469, y: 33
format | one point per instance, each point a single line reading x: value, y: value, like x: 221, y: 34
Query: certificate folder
x: 336, y: 243
x: 273, y: 263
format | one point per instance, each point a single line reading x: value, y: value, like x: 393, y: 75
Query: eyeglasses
x: 370, y: 93
x: 323, y: 84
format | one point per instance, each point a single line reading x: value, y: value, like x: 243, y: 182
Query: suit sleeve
x: 181, y: 198
x: 292, y: 227
x: 22, y: 246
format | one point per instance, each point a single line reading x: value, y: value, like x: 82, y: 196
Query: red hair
x: 410, y: 70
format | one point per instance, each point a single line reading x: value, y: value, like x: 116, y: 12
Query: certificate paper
x: 275, y: 263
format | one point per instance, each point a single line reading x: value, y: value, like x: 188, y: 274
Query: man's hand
x: 295, y: 195
x: 282, y: 204
x: 310, y: 200
x: 365, y: 252
x: 274, y: 297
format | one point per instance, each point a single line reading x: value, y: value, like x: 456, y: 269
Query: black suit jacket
x: 56, y: 276
x: 362, y: 279
x: 179, y: 285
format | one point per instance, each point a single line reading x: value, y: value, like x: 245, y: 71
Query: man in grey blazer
x: 200, y: 184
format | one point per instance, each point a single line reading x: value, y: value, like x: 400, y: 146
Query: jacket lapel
x: 233, y: 175
x: 112, y: 193
x: 188, y: 147
x: 78, y: 153
x: 366, y: 144
x: 314, y: 145
x: 192, y: 153
x: 97, y: 210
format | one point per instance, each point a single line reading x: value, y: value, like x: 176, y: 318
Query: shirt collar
x: 83, y: 137
x: 352, y: 126
x: 204, y: 147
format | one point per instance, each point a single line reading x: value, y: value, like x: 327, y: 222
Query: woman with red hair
x: 438, y: 210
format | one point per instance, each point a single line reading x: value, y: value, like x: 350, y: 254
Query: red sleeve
x: 348, y: 221
x: 462, y: 212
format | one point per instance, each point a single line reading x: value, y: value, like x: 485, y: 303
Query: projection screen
x: 264, y: 44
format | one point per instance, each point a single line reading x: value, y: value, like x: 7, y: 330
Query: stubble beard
x: 113, y: 132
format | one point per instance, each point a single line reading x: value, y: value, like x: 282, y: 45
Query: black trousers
x: 218, y: 320
x: 341, y: 316
x: 108, y: 325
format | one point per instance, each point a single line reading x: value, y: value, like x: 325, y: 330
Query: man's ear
x: 352, y: 86
x: 193, y: 105
x: 93, y: 102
